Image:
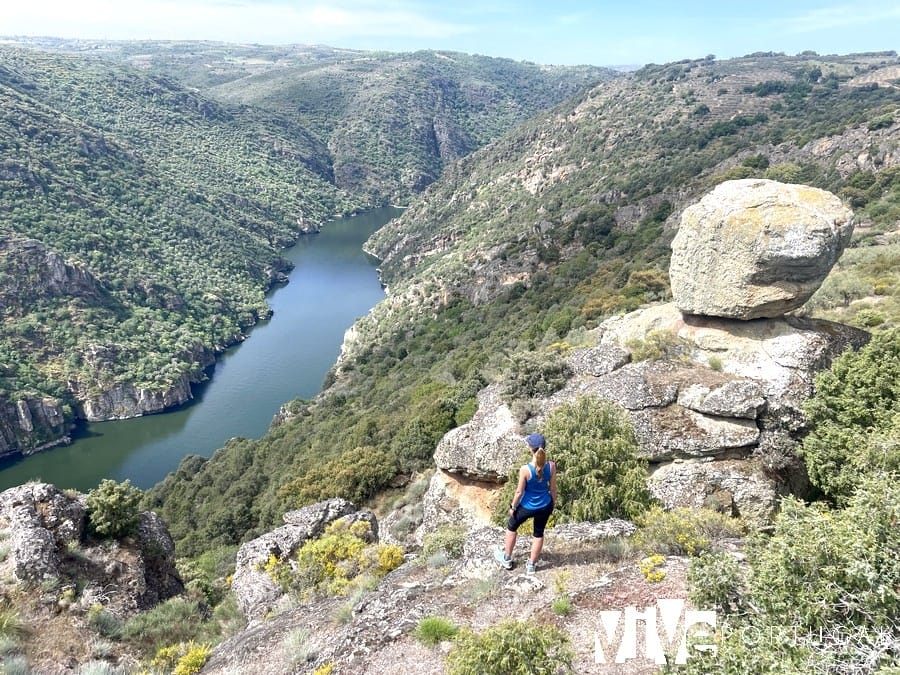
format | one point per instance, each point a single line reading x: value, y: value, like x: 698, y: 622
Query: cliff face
x: 29, y: 425
x: 37, y: 278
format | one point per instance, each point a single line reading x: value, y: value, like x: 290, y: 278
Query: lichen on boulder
x: 756, y: 248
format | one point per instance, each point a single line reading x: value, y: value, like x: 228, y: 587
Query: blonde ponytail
x: 540, y: 459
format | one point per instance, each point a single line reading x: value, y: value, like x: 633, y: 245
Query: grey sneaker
x: 529, y: 567
x: 503, y: 559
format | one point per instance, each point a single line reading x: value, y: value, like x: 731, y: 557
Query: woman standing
x: 534, y: 498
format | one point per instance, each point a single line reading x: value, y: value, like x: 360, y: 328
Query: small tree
x: 601, y: 475
x: 113, y: 508
x: 855, y: 418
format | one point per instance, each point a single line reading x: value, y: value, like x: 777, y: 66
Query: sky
x: 570, y: 32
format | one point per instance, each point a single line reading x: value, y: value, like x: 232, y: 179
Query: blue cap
x: 536, y: 441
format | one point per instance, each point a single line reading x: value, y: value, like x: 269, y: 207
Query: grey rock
x: 42, y: 521
x: 485, y: 447
x: 31, y: 424
x: 161, y: 578
x: 605, y: 529
x: 735, y: 398
x: 314, y: 518
x: 735, y: 487
x: 125, y: 401
x: 597, y: 361
x: 637, y: 386
x: 756, y: 248
x: 674, y: 432
x: 524, y: 584
x: 48, y: 541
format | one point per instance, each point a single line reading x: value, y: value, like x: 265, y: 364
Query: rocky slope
x: 375, y: 634
x: 56, y: 575
x: 717, y: 412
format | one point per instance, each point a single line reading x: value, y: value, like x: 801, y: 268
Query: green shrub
x: 105, y: 623
x: 433, y: 630
x: 600, y: 474
x: 170, y: 622
x: 355, y: 475
x: 823, y: 566
x: 855, y: 418
x: 823, y: 591
x: 562, y: 605
x: 682, y: 531
x: 656, y: 345
x: 511, y: 648
x: 715, y: 581
x: 535, y: 375
x: 449, y: 538
x: 113, y: 508
x: 11, y: 624
x: 297, y: 649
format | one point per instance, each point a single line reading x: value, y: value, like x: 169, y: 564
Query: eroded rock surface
x: 46, y: 528
x: 756, y: 248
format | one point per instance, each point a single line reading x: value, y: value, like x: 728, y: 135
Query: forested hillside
x: 171, y: 206
x: 391, y: 121
x: 526, y: 244
x: 175, y: 206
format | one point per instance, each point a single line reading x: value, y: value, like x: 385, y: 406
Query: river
x: 286, y: 357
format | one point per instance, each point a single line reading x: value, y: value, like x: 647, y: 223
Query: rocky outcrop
x: 128, y: 400
x: 453, y: 499
x: 756, y: 248
x: 35, y: 272
x: 48, y: 541
x: 730, y: 396
x: 487, y: 446
x: 732, y: 486
x: 378, y: 635
x: 31, y: 424
x: 720, y: 414
x: 257, y: 593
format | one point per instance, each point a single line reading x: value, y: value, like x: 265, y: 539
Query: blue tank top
x: 537, y: 492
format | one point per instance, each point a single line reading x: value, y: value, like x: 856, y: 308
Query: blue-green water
x: 286, y: 357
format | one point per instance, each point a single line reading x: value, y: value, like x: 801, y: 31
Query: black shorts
x: 521, y: 514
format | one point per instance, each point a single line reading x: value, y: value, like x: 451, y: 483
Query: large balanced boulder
x: 756, y: 248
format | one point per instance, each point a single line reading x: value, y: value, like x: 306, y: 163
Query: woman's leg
x: 510, y: 543
x: 540, y: 522
x: 537, y: 545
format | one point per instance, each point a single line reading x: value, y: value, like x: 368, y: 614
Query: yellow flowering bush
x: 341, y: 558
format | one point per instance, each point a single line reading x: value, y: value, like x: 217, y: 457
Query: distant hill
x: 391, y: 121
